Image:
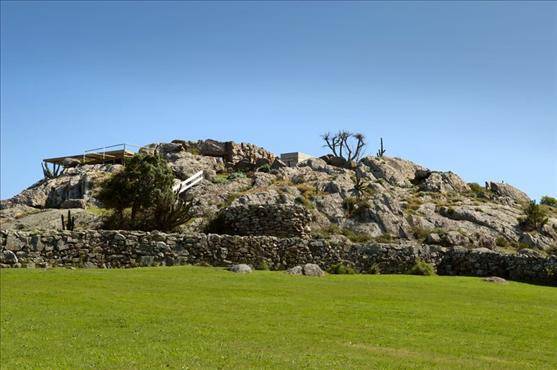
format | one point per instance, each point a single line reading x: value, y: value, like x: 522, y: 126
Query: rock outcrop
x: 379, y: 198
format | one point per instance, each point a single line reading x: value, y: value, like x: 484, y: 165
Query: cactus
x: 381, y: 150
x: 70, y: 223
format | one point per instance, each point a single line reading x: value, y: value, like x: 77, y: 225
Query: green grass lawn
x: 200, y: 317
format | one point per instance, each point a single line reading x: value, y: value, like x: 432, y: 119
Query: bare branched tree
x: 345, y: 144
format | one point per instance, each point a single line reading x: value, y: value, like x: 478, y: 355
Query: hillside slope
x: 380, y: 198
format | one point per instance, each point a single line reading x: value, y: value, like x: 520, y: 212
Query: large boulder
x: 443, y: 182
x: 508, y: 191
x: 395, y: 171
x: 75, y: 183
x: 311, y: 269
x: 212, y: 148
x: 241, y: 268
x: 185, y: 164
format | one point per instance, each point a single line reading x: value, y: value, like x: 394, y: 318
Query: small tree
x: 549, y: 201
x: 145, y: 188
x: 345, y: 144
x: 534, y: 219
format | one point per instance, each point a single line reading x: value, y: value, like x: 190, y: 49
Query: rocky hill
x: 378, y: 198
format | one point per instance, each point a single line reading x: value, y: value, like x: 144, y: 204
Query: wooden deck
x: 95, y: 157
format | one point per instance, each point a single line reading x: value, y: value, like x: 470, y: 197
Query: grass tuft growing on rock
x: 422, y: 268
x: 341, y: 269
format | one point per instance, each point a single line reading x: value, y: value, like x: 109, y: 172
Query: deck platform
x: 109, y: 154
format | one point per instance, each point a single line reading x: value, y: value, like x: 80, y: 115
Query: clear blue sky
x: 468, y: 87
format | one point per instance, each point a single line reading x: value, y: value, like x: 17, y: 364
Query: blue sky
x: 469, y: 87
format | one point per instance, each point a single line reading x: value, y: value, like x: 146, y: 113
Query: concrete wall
x: 292, y: 159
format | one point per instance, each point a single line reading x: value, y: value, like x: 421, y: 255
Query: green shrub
x: 413, y: 204
x: 478, y: 190
x: 141, y: 196
x: 502, y: 242
x: 349, y: 204
x: 230, y: 198
x: 304, y: 202
x: 422, y: 268
x: 341, y: 269
x: 356, y: 207
x: 193, y: 150
x: 384, y: 238
x: 549, y: 201
x: 262, y: 265
x: 420, y: 233
x: 220, y: 179
x: 375, y: 269
x: 353, y: 236
x: 236, y: 175
x: 534, y: 219
x: 265, y: 168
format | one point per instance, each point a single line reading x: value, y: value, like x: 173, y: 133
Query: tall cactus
x: 381, y: 150
x: 68, y: 224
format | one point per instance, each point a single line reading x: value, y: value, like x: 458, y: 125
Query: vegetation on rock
x: 142, y: 198
x: 535, y: 217
x: 549, y: 201
x: 345, y: 144
x: 422, y: 268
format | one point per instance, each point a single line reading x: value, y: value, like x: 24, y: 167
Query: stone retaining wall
x: 112, y: 249
x: 266, y: 219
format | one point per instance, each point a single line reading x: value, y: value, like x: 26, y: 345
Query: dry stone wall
x: 115, y: 249
x: 266, y: 219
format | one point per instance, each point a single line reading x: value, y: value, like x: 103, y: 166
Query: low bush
x: 375, y: 269
x: 353, y: 236
x: 307, y: 195
x: 534, y: 219
x: 549, y: 201
x: 420, y: 233
x: 304, y: 202
x: 478, y: 190
x: 422, y: 268
x: 262, y: 265
x: 502, y: 242
x: 236, y: 175
x: 385, y: 238
x: 265, y: 168
x: 341, y: 269
x: 220, y: 179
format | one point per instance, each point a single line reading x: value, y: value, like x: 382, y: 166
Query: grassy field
x: 199, y: 317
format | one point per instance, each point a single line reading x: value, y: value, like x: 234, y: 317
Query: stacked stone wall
x: 119, y: 249
x: 266, y: 219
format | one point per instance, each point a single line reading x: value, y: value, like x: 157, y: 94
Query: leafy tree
x: 144, y: 187
x: 549, y: 201
x: 535, y: 217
